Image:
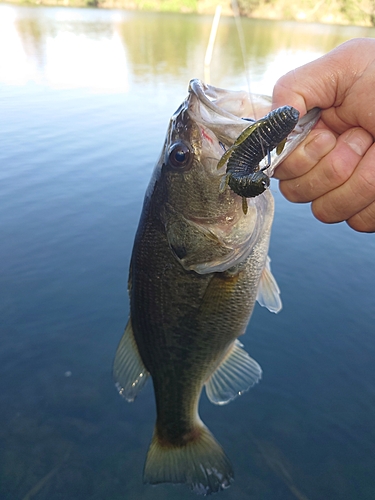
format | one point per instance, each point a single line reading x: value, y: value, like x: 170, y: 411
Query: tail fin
x: 201, y: 463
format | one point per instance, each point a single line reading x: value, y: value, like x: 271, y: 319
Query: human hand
x: 334, y: 168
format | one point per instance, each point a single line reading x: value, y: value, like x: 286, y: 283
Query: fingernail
x: 356, y: 142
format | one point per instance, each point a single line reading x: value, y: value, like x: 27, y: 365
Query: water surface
x: 85, y: 99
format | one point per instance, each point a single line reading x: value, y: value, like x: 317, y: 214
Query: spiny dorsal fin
x: 237, y: 373
x: 129, y: 371
x: 268, y: 291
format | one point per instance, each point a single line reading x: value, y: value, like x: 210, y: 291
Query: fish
x: 198, y: 265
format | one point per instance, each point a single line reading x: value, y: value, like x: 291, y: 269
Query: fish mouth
x: 209, y: 96
x: 227, y: 113
x: 231, y: 104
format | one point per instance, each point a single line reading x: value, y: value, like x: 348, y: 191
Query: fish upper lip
x: 202, y: 107
x: 202, y: 91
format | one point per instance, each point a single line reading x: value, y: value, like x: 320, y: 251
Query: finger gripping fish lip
x: 253, y: 145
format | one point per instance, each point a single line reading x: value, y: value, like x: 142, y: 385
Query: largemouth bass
x: 198, y: 265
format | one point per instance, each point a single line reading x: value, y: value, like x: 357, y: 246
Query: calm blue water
x: 85, y: 98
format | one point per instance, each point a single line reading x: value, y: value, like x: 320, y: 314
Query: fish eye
x: 179, y: 155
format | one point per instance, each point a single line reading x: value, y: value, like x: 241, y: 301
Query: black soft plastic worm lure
x: 256, y: 141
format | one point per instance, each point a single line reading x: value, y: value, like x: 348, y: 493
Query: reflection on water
x: 85, y: 99
x: 279, y: 464
x: 62, y: 50
x: 103, y: 50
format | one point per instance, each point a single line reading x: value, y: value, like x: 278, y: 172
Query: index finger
x: 302, y: 89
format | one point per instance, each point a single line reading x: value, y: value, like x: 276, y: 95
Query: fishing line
x: 241, y: 38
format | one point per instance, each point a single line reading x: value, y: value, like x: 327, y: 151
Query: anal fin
x: 237, y: 373
x: 129, y: 371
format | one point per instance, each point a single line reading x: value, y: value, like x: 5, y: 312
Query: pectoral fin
x: 237, y: 373
x: 268, y: 291
x: 129, y: 371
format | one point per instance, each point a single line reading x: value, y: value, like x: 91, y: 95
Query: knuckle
x: 366, y: 181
